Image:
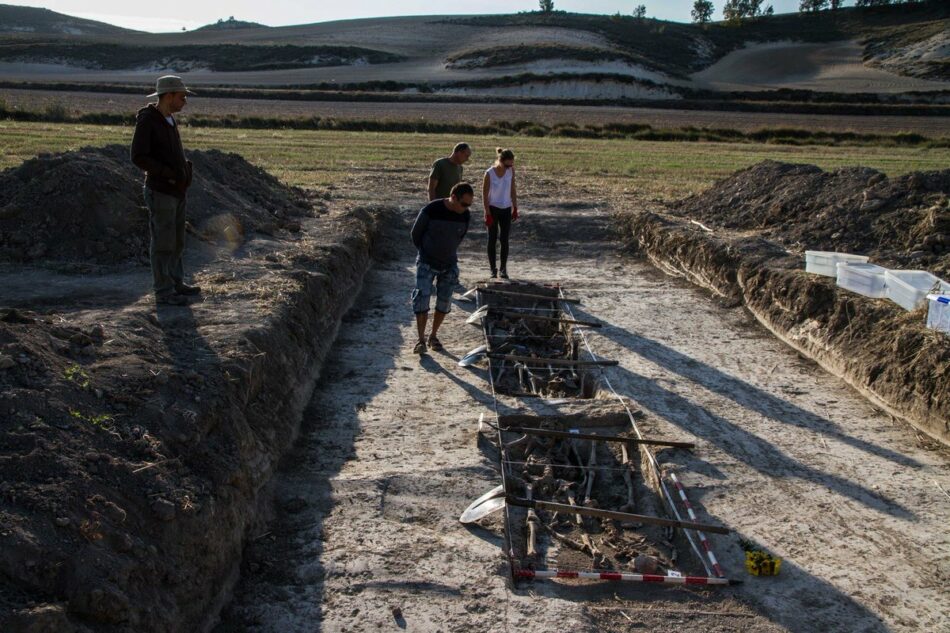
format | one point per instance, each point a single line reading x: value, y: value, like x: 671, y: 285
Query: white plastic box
x: 938, y: 313
x: 826, y: 262
x: 909, y: 288
x: 864, y: 279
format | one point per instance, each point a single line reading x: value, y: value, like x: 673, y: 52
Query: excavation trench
x: 364, y: 531
x: 167, y: 426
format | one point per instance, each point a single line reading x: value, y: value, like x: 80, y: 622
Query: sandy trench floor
x: 365, y: 534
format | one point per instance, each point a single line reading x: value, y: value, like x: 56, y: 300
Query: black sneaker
x: 185, y: 289
x: 504, y: 274
x: 494, y: 274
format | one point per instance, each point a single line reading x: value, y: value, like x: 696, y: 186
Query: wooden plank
x: 558, y: 362
x: 593, y: 436
x: 610, y: 514
x: 527, y: 295
x: 538, y: 317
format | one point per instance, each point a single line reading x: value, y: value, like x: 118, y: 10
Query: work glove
x: 488, y: 220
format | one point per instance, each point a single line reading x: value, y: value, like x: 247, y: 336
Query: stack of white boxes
x: 907, y: 288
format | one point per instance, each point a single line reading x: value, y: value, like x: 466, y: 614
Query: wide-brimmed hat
x: 169, y: 83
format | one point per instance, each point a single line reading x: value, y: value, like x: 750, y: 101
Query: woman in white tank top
x: 501, y: 206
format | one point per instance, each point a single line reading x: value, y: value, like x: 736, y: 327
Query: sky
x: 172, y: 15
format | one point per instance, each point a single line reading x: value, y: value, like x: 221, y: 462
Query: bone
x: 532, y: 521
x: 591, y: 471
x: 580, y: 547
x: 631, y: 505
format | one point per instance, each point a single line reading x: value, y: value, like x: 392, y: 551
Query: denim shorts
x: 445, y: 280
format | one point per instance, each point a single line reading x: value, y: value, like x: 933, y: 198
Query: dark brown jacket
x: 157, y: 150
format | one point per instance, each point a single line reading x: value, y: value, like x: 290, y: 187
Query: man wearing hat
x: 157, y: 150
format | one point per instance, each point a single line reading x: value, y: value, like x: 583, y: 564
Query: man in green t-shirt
x: 447, y: 172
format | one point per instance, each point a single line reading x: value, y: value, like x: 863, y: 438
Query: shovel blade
x: 477, y: 316
x: 491, y: 501
x: 469, y: 297
x: 473, y: 356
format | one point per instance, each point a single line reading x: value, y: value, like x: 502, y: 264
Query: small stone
x: 397, y: 613
x: 164, y: 509
x: 80, y: 340
x: 124, y: 543
x: 6, y: 362
x: 63, y: 521
x: 645, y: 564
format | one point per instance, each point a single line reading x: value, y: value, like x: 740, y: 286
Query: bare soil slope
x: 824, y: 67
x: 904, y: 46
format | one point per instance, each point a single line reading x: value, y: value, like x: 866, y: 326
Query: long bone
x: 631, y: 504
x: 588, y: 543
x: 532, y: 524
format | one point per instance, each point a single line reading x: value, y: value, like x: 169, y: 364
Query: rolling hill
x: 541, y: 55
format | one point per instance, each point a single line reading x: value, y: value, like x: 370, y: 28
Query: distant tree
x: 703, y: 11
x: 547, y: 6
x: 183, y: 29
x: 756, y: 10
x: 640, y: 11
x: 872, y: 3
x: 731, y: 11
x: 835, y: 4
x: 737, y: 10
x: 812, y: 6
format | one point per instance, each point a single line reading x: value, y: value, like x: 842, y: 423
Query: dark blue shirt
x: 437, y: 233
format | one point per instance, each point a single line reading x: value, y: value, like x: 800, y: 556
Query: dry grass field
x: 657, y: 170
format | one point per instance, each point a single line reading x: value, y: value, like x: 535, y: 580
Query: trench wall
x: 882, y: 351
x: 171, y: 569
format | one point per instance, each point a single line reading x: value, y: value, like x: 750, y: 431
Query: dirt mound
x: 86, y: 205
x: 900, y: 222
x: 135, y: 440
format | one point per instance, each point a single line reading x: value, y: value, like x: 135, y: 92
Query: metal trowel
x: 489, y: 502
x: 473, y: 356
x: 477, y: 316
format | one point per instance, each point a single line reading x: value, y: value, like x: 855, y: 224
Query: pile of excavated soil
x: 87, y: 206
x: 899, y: 222
x: 760, y: 214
